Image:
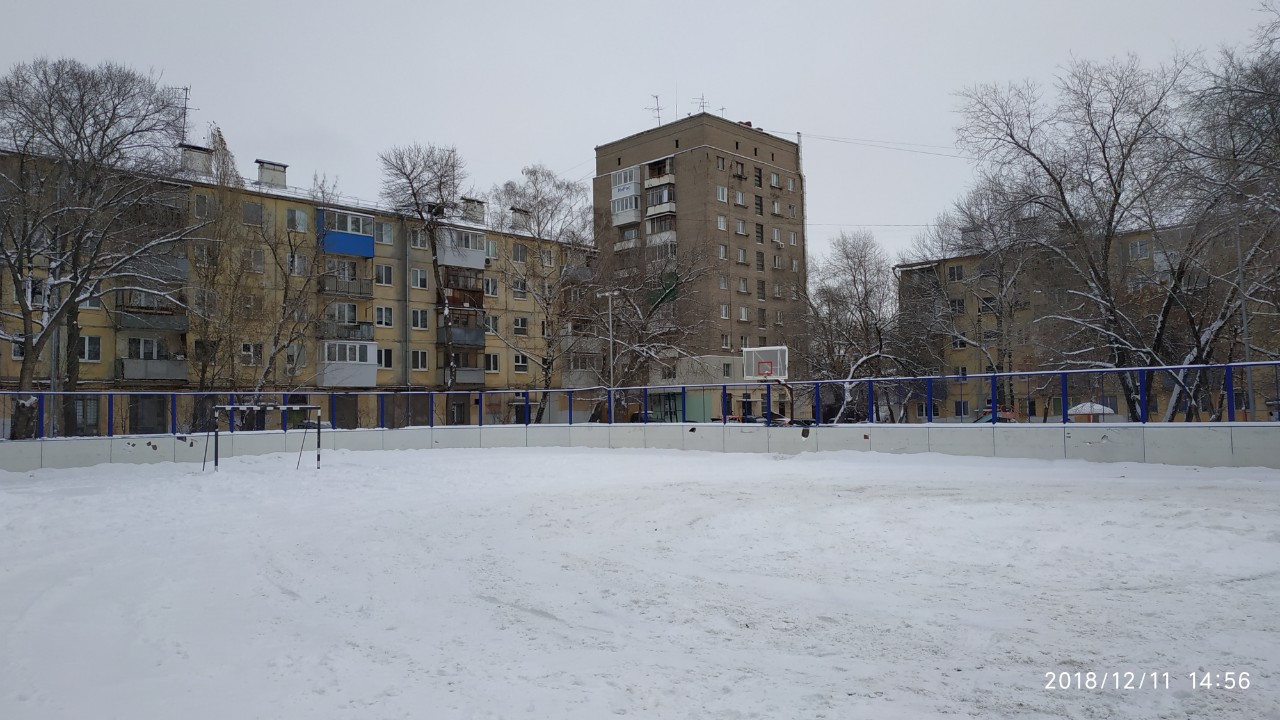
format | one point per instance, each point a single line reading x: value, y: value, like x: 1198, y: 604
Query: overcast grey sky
x: 325, y: 86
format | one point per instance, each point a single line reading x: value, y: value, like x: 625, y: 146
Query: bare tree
x: 85, y: 197
x: 425, y: 183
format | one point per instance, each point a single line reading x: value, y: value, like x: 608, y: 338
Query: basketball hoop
x: 764, y: 368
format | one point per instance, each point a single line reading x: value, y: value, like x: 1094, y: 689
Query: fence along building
x: 286, y: 293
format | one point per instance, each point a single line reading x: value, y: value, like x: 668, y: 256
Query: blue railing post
x: 570, y: 407
x: 382, y: 410
x: 817, y: 404
x: 928, y: 400
x: 871, y: 401
x: 609, y: 400
x: 111, y: 415
x: 173, y: 413
x: 1230, y: 387
x: 644, y: 400
x: 431, y: 409
x: 1063, y: 378
x: 724, y: 404
x: 526, y: 407
x: 1142, y: 394
x: 768, y: 405
x: 333, y: 410
x: 480, y: 406
x: 284, y: 414
x: 995, y: 396
x: 684, y: 407
x: 40, y: 415
x: 231, y: 414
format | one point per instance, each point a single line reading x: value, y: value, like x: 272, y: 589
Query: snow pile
x: 556, y: 583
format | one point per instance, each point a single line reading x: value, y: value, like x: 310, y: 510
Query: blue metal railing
x: 1201, y: 392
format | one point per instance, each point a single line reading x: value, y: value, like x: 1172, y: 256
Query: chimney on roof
x: 271, y: 173
x: 196, y: 159
x: 473, y: 209
x: 519, y: 218
x: 745, y: 122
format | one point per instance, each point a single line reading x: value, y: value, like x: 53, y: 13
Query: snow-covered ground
x: 556, y: 583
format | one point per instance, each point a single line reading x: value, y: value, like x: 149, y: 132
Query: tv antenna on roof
x: 702, y: 102
x: 656, y: 109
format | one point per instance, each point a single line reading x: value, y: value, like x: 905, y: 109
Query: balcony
x: 140, y: 369
x: 335, y: 242
x: 458, y: 256
x: 359, y: 287
x: 166, y: 322
x: 464, y: 297
x: 334, y: 330
x: 462, y: 335
x: 466, y: 376
x: 626, y: 217
x: 347, y: 374
x: 665, y: 208
x: 664, y: 179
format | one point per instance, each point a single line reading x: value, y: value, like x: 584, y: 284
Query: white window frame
x: 722, y: 193
x: 418, y: 360
x: 419, y: 279
x: 383, y: 274
x: 722, y: 222
x: 419, y: 319
x: 520, y: 326
x: 90, y: 348
x: 386, y: 358
x: 296, y: 220
x: 519, y: 362
x: 492, y: 363
x: 384, y: 316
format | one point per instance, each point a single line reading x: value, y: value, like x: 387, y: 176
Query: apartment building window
x: 253, y: 260
x: 759, y: 205
x: 582, y: 362
x: 384, y: 358
x: 723, y: 251
x: 520, y: 326
x: 251, y: 213
x: 742, y: 256
x: 777, y: 262
x: 791, y: 211
x: 739, y: 198
x: 722, y: 222
x: 724, y: 282
x: 346, y: 352
x: 16, y: 349
x: 204, y: 204
x: 91, y: 303
x: 759, y: 177
x: 348, y: 223
x: 760, y: 261
x: 957, y: 306
x: 419, y: 319
x: 661, y: 195
x: 418, y: 360
x: 382, y: 274
x: 382, y: 316
x: 776, y: 235
x: 791, y: 184
x: 519, y: 252
x: 795, y: 265
x: 773, y: 180
x: 144, y: 349
x: 724, y: 340
x: 727, y: 368
x: 664, y: 223
x: 491, y: 362
x: 777, y: 287
x: 955, y: 273
x: 961, y: 372
x: 418, y: 278
x: 719, y: 163
x: 519, y: 289
x: 90, y: 348
x: 760, y: 289
x: 418, y: 239
x: 761, y: 319
x: 295, y: 220
x: 623, y: 177
x: 759, y: 234
x: 742, y: 227
x: 250, y: 353
x: 986, y: 305
x: 548, y: 258
x: 990, y: 337
x: 491, y: 249
x: 491, y: 324
x: 778, y: 321
x: 298, y: 264
x: 742, y: 341
x: 777, y: 208
x: 724, y: 311
x: 742, y: 285
x: 739, y: 170
x: 722, y: 193
x: 1139, y: 250
x: 791, y: 237
x: 959, y: 342
x: 520, y: 362
x: 743, y: 314
x: 763, y: 340
x: 341, y: 312
x: 491, y: 287
x: 962, y: 408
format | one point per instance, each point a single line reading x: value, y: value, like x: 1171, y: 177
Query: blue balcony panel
x: 335, y: 242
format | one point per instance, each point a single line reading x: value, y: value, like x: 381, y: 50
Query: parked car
x: 773, y: 418
x: 986, y: 418
x: 643, y: 416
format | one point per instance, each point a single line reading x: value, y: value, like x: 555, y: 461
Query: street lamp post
x: 610, y: 294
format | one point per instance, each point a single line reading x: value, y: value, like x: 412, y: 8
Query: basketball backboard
x: 764, y: 363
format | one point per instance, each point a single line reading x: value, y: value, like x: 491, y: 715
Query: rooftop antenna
x: 702, y: 102
x: 722, y: 109
x: 656, y: 109
x: 183, y: 95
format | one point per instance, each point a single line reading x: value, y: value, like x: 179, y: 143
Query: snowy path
x: 655, y: 584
